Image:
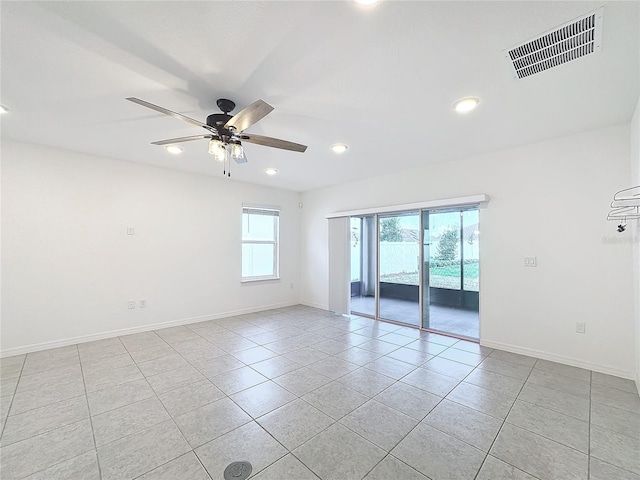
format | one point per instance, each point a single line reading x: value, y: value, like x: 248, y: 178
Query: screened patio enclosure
x: 418, y: 268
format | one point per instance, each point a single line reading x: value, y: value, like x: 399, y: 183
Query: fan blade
x: 272, y: 142
x: 168, y: 112
x: 249, y: 115
x: 181, y: 139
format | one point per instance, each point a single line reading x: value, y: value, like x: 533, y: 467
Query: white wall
x: 549, y: 200
x: 634, y: 226
x: 69, y: 267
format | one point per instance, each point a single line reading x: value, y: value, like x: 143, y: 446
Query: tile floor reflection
x: 455, y: 321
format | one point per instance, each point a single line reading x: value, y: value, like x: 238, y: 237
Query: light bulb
x: 213, y: 146
x: 271, y: 171
x: 173, y: 149
x: 339, y: 148
x: 465, y: 105
x: 216, y: 148
x: 236, y: 150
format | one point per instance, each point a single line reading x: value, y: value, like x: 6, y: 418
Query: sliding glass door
x: 363, y: 265
x: 399, y: 267
x: 419, y: 268
x: 451, y: 300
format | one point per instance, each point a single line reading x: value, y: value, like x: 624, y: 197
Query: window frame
x: 274, y: 212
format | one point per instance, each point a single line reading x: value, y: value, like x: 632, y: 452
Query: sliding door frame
x: 421, y: 284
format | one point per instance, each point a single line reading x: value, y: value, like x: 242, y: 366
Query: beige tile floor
x: 304, y: 394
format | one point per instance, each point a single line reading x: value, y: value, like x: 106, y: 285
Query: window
x: 260, y: 250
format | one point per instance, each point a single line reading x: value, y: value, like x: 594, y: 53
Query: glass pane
x: 258, y: 227
x: 356, y: 247
x: 258, y: 260
x: 453, y: 251
x: 399, y: 267
x: 363, y: 265
x: 399, y: 249
x: 471, y: 250
x: 426, y: 291
x: 445, y: 250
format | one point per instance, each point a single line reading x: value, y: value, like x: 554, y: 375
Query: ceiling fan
x: 226, y: 132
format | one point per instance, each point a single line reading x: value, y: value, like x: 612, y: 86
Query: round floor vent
x: 237, y: 471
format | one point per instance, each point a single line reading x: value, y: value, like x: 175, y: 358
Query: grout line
x: 133, y: 433
x: 408, y: 433
x: 419, y: 421
x: 13, y: 397
x: 93, y: 435
x: 169, y: 461
x: 49, y: 429
x: 202, y: 464
x: 63, y: 461
x: 505, y: 421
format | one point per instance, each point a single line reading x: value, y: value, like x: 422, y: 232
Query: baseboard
x: 315, y: 305
x: 143, y: 328
x: 574, y: 362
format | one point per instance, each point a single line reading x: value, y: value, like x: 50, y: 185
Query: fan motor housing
x: 218, y: 121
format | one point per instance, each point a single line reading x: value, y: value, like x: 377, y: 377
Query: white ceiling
x: 381, y: 80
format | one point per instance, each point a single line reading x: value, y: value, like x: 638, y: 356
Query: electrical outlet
x: 132, y: 304
x: 580, y: 327
x: 143, y: 303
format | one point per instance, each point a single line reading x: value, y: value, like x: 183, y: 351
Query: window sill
x: 259, y: 279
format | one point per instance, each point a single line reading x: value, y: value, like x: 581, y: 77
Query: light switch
x: 130, y: 230
x: 530, y: 261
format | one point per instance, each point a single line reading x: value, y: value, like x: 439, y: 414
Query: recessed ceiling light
x: 465, y: 105
x: 173, y: 149
x: 271, y: 171
x: 339, y: 148
x: 3, y: 109
x: 366, y: 2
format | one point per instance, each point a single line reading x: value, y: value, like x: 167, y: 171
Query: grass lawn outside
x: 440, y: 277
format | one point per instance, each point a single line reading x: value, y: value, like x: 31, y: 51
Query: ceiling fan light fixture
x: 174, y: 149
x: 225, y: 132
x: 465, y: 105
x: 236, y: 150
x: 271, y: 171
x: 339, y: 148
x: 216, y: 148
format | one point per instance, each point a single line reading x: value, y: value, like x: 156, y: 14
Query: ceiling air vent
x: 568, y: 42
